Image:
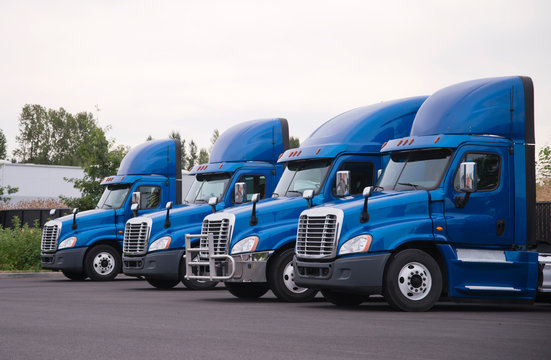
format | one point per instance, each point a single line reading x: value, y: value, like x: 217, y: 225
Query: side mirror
x: 379, y: 172
x: 467, y: 177
x: 240, y: 193
x: 254, y: 219
x: 368, y: 190
x: 308, y: 195
x: 467, y: 183
x: 168, y: 206
x: 343, y: 183
x: 75, y: 212
x: 212, y: 202
x: 136, y: 197
x: 134, y: 208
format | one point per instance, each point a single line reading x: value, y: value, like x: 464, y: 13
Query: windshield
x: 415, y: 170
x: 302, y: 175
x: 206, y: 186
x: 113, y: 196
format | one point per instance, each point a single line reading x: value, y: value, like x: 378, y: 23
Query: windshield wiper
x: 294, y: 192
x: 415, y: 186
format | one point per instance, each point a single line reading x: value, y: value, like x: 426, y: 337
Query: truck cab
x: 252, y: 245
x: 246, y: 154
x: 453, y: 213
x: 89, y: 243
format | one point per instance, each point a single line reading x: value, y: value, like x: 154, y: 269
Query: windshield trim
x: 322, y: 181
x: 222, y: 195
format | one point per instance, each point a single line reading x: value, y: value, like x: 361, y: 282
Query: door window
x: 254, y: 184
x: 487, y: 171
x: 361, y: 175
x: 150, y: 196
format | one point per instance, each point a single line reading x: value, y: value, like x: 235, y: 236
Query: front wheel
x: 413, y: 281
x: 281, y: 278
x: 161, y: 283
x: 102, y: 263
x: 195, y: 284
x: 343, y: 299
x: 75, y: 276
x: 247, y: 290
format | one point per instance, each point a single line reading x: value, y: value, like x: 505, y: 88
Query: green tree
x: 213, y: 138
x: 192, y: 156
x: 176, y: 135
x: 3, y: 145
x: 48, y: 136
x: 543, y: 165
x: 203, y: 156
x: 294, y: 142
x: 98, y: 167
x: 149, y: 138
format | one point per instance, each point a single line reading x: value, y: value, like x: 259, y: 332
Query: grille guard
x: 211, y: 263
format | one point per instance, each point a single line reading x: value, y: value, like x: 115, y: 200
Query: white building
x: 39, y: 181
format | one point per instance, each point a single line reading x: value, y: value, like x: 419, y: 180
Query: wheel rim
x: 104, y: 263
x: 414, y: 281
x: 289, y: 279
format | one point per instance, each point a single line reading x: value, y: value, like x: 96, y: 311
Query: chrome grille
x: 50, y: 234
x: 136, y: 236
x: 220, y: 230
x: 316, y: 236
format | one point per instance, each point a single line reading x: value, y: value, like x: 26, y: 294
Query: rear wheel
x: 75, y: 276
x: 281, y: 278
x: 343, y: 299
x: 161, y: 283
x: 413, y: 281
x: 102, y: 263
x: 247, y: 290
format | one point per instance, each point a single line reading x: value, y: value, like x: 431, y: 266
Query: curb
x: 13, y: 275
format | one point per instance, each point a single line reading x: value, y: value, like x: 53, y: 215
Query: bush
x: 20, y: 248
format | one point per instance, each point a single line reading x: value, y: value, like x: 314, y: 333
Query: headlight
x: 68, y: 243
x: 357, y: 244
x: 248, y: 244
x: 160, y: 244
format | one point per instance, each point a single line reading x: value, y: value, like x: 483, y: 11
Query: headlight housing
x: 67, y: 243
x: 160, y: 244
x: 357, y: 244
x: 247, y: 244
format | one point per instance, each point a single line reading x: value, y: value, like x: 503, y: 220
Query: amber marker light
x: 299, y: 152
x: 436, y: 140
x: 405, y: 142
x: 411, y: 141
x: 439, y: 228
x: 120, y: 231
x: 384, y: 144
x: 400, y: 142
x: 318, y: 151
x: 220, y: 167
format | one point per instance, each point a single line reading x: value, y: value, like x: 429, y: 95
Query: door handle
x: 500, y: 227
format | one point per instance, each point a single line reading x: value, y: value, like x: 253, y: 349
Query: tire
x: 161, y: 283
x: 75, y: 276
x: 247, y: 290
x: 195, y: 284
x: 343, y: 299
x: 281, y: 279
x: 102, y: 263
x: 413, y: 281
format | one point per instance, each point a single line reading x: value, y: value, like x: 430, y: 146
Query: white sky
x: 193, y: 66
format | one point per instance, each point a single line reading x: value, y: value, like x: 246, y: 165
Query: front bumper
x: 250, y: 267
x: 362, y: 274
x: 70, y: 260
x: 158, y: 265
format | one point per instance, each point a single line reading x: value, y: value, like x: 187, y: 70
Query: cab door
x: 151, y: 199
x: 487, y: 218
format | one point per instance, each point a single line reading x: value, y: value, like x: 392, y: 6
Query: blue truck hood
x: 86, y: 221
x: 277, y: 221
x: 395, y: 217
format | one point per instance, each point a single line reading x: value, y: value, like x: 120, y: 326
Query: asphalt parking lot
x: 49, y: 317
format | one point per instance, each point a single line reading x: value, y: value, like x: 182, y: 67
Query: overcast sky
x: 193, y: 66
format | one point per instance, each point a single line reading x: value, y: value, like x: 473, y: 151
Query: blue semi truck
x: 251, y: 247
x: 453, y: 213
x: 88, y: 244
x: 243, y: 161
